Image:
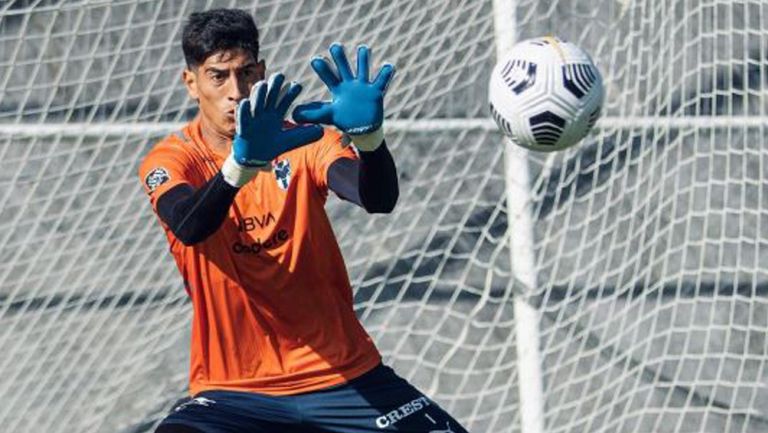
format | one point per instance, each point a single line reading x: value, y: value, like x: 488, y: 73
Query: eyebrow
x: 215, y: 70
x: 222, y: 71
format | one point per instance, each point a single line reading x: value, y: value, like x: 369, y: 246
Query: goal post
x: 521, y: 247
x: 617, y: 286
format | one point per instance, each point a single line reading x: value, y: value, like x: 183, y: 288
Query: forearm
x: 193, y: 215
x: 377, y: 180
x: 370, y: 182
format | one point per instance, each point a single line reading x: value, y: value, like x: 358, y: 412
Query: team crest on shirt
x: 156, y: 177
x: 282, y: 171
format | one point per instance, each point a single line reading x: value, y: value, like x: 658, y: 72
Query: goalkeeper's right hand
x: 259, y: 134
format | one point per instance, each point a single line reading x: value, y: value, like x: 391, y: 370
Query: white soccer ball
x: 546, y: 94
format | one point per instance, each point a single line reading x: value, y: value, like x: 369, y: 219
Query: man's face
x: 220, y: 83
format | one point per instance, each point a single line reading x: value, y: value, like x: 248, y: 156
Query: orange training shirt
x: 271, y: 297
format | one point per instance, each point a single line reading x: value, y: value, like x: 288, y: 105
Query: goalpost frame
x: 520, y: 231
x: 392, y: 124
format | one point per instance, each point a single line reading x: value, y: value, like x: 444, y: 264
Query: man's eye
x: 218, y: 77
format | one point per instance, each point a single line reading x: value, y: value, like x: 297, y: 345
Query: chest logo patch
x: 282, y: 171
x: 156, y: 177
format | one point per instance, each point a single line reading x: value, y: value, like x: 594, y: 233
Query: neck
x: 219, y: 142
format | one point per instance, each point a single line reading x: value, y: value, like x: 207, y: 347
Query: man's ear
x: 190, y: 81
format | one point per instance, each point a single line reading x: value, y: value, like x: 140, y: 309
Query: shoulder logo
x: 156, y: 177
x: 282, y: 171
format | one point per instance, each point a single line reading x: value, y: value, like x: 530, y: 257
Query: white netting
x: 650, y: 239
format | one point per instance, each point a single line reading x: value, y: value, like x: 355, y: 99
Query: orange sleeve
x: 165, y: 166
x: 322, y: 153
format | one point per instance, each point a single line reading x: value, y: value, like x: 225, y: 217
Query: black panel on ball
x: 547, y: 127
x: 517, y: 84
x: 578, y: 79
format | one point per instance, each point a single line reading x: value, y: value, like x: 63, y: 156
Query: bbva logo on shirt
x: 282, y: 171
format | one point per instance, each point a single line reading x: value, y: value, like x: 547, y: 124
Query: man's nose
x: 238, y: 88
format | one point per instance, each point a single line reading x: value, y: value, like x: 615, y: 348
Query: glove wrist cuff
x: 237, y: 174
x: 368, y: 142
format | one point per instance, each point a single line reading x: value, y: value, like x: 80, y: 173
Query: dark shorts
x: 378, y: 401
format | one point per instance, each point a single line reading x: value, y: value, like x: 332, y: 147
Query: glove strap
x: 368, y: 142
x: 238, y: 175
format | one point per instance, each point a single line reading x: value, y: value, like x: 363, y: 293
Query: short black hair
x: 208, y: 32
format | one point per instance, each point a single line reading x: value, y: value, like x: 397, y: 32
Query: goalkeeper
x: 240, y: 194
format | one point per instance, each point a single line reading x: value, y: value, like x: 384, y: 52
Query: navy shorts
x: 378, y: 401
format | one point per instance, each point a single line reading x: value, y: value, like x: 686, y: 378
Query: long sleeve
x: 194, y: 215
x: 370, y: 182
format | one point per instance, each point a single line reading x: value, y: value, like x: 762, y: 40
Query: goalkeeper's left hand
x: 357, y: 107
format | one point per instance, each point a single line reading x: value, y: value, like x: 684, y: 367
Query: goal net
x: 646, y: 258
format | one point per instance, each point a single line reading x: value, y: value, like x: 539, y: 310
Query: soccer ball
x: 546, y: 94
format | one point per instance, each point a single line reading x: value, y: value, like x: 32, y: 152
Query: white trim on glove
x: 238, y: 175
x: 368, y: 142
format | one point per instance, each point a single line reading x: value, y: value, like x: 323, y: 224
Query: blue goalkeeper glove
x: 259, y: 133
x: 357, y: 107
